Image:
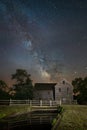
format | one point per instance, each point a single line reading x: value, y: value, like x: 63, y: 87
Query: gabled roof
x: 44, y: 86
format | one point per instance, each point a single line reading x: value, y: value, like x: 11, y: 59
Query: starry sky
x: 48, y: 38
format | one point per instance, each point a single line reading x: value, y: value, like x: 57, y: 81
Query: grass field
x: 11, y: 110
x: 74, y: 118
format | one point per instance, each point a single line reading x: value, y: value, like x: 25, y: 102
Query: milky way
x: 48, y: 38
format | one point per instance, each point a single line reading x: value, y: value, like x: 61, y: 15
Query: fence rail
x: 30, y: 102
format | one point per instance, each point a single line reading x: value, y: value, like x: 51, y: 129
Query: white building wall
x: 64, y: 91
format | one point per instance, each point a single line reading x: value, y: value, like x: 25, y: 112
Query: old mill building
x: 62, y: 90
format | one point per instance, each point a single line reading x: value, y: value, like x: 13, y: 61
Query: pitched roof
x: 44, y: 86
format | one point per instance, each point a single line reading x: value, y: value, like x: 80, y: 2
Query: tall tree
x: 3, y: 85
x: 3, y: 90
x: 23, y: 86
x: 80, y: 90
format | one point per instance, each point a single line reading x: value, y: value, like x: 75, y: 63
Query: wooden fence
x: 31, y: 102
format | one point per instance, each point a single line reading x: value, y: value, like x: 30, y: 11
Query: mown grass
x: 74, y: 118
x: 12, y: 110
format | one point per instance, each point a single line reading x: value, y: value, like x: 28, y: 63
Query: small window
x: 59, y: 89
x: 63, y: 82
x: 67, y: 90
x: 48, y: 92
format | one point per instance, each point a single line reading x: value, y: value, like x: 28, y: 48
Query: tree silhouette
x: 3, y: 85
x: 3, y: 90
x: 23, y: 86
x: 80, y: 90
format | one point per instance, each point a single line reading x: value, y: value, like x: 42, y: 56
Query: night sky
x: 48, y: 38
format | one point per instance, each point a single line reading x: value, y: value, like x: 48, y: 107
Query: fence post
x: 50, y: 102
x: 40, y: 102
x: 60, y: 102
x: 10, y: 102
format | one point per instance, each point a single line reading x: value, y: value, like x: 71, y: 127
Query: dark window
x: 48, y: 93
x: 67, y: 90
x: 63, y: 82
x: 59, y: 89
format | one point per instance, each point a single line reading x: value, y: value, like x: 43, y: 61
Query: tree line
x: 80, y: 90
x: 23, y: 87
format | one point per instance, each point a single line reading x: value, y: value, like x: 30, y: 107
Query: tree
x: 23, y: 86
x: 3, y: 85
x: 3, y: 93
x: 80, y: 90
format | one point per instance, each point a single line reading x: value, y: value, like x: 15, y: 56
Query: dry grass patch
x: 74, y: 118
